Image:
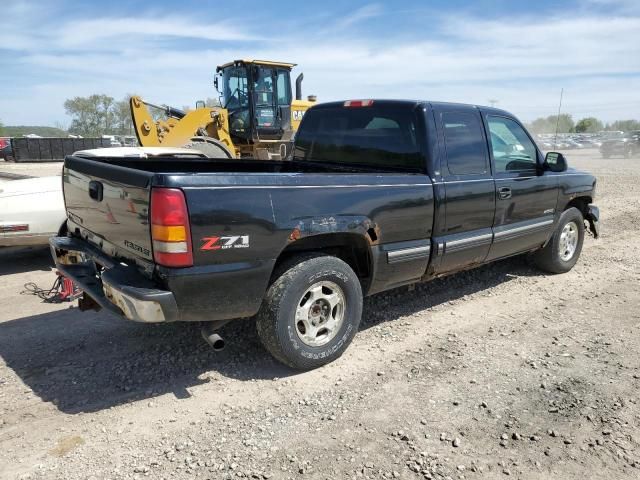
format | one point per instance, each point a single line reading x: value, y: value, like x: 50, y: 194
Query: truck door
x: 465, y: 235
x: 525, y: 197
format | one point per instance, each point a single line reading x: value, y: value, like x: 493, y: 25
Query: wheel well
x: 353, y: 249
x: 63, y: 230
x: 581, y: 203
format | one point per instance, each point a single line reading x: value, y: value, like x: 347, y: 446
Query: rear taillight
x: 170, y: 228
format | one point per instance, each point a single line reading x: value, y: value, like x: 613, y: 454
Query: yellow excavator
x: 257, y: 117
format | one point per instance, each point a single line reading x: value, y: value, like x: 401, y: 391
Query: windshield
x: 235, y: 88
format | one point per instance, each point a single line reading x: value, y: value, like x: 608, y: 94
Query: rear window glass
x: 377, y: 136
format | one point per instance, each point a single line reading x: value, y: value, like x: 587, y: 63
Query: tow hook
x: 211, y: 337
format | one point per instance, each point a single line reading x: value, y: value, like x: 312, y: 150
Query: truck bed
x: 267, y: 203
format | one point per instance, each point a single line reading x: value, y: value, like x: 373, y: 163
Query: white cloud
x: 521, y: 61
x: 360, y: 15
x: 101, y: 33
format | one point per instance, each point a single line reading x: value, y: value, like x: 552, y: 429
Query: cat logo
x: 297, y: 115
x: 224, y: 243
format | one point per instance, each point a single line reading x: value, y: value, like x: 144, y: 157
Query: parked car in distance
x: 626, y: 145
x: 573, y: 144
x: 588, y: 143
x: 31, y: 211
x: 377, y: 194
x: 6, y: 152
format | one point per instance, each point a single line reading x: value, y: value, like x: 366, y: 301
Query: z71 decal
x: 222, y: 243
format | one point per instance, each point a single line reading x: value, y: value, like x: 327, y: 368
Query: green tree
x: 589, y: 125
x: 565, y: 123
x: 122, y: 113
x: 541, y: 125
x: 92, y: 116
x: 43, y: 131
x: 1, y: 129
x: 624, y: 125
x: 548, y: 124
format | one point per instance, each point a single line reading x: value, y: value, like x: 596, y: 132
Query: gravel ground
x: 500, y: 371
x: 39, y: 169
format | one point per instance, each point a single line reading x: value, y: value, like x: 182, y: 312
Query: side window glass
x: 284, y: 88
x: 512, y: 149
x: 464, y: 144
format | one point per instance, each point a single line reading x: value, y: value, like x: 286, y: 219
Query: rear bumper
x: 117, y: 288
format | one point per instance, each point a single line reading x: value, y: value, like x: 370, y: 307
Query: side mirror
x: 555, y: 162
x: 215, y: 82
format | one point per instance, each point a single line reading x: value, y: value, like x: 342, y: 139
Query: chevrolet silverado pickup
x: 376, y: 194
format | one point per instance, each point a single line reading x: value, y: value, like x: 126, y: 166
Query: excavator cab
x: 257, y: 117
x: 257, y: 95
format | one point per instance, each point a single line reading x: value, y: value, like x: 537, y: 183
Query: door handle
x: 504, y: 193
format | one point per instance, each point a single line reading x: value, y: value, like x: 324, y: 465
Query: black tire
x: 549, y: 258
x: 276, y: 322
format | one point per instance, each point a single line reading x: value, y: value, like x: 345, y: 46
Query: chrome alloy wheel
x: 568, y: 241
x: 320, y: 313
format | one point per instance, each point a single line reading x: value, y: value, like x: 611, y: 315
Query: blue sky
x: 520, y: 53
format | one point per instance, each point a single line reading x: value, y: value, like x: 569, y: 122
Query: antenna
x: 555, y: 138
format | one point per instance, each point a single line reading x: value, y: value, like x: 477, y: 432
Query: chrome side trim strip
x: 513, y: 232
x: 445, y: 182
x: 464, y: 243
x: 253, y: 187
x: 407, y: 254
x: 498, y: 179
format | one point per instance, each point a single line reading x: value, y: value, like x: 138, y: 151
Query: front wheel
x: 311, y: 312
x: 563, y: 249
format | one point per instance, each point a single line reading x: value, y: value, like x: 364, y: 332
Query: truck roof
x: 412, y: 103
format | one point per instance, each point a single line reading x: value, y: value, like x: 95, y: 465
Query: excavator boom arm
x: 179, y: 127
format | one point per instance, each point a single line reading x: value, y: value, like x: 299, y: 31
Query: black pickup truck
x: 376, y: 194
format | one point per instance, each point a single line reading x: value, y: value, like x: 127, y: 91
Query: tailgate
x: 109, y: 206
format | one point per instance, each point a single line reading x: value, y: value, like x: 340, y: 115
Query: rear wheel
x: 563, y: 249
x: 311, y: 312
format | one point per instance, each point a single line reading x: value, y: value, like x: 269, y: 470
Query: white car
x: 31, y: 210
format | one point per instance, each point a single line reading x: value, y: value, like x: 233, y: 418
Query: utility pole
x: 555, y: 138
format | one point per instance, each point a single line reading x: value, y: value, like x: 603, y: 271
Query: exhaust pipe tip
x: 213, y: 339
